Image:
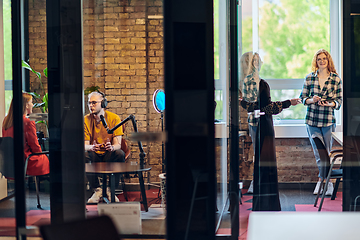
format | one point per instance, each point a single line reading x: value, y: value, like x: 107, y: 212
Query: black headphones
x: 104, y: 100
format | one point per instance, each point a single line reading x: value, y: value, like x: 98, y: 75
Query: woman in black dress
x: 256, y: 98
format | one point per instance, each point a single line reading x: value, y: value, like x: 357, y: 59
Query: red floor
x: 245, y: 209
x: 40, y: 217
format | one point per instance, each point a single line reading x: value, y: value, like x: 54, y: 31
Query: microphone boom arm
x: 132, y: 118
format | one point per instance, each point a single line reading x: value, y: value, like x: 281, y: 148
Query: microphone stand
x: 132, y: 118
x: 162, y: 144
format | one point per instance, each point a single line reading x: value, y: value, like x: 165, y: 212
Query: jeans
x: 323, y: 133
x: 115, y: 156
x: 252, y: 133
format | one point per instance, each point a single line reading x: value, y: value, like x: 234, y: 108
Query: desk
x: 111, y: 168
x: 338, y: 136
x: 303, y: 225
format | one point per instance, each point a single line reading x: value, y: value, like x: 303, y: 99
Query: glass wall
x: 283, y: 157
x: 121, y: 54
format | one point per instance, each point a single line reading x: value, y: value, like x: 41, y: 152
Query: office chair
x: 326, y: 170
x: 95, y: 228
x: 36, y: 178
x: 7, y: 163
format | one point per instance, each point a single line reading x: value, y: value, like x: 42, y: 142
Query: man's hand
x: 108, y: 146
x: 94, y: 148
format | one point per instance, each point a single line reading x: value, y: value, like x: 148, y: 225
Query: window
x: 7, y: 52
x: 221, y: 74
x: 286, y: 34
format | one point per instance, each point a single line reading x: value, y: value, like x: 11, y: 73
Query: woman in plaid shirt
x: 322, y: 95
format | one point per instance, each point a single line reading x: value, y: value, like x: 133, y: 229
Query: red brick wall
x: 123, y: 55
x: 295, y: 158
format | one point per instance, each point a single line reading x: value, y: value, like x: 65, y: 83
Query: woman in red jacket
x: 38, y: 164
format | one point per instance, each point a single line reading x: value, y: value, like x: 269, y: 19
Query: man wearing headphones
x: 99, y: 145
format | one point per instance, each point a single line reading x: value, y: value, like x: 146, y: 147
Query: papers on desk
x: 125, y: 215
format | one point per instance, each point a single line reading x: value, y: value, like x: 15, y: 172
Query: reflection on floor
x: 291, y: 200
x: 153, y: 222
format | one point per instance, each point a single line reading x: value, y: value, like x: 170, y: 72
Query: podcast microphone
x: 103, y: 121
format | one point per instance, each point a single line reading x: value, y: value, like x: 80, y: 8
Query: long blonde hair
x: 8, y: 122
x: 245, y: 64
x: 330, y: 66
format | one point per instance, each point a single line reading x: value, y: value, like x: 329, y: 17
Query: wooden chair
x: 124, y: 146
x: 7, y: 163
x: 327, y: 170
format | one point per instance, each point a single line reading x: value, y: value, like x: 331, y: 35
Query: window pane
x: 219, y: 104
x: 290, y: 32
x: 7, y: 52
x: 216, y: 39
x: 8, y: 97
x: 297, y: 112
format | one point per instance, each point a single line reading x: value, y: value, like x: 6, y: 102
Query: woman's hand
x: 295, y: 101
x: 316, y: 99
x: 326, y: 104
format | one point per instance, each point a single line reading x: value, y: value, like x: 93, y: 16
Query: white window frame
x: 295, y: 130
x: 2, y: 75
x: 222, y: 128
x: 291, y: 128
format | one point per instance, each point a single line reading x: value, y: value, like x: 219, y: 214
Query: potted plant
x: 41, y: 102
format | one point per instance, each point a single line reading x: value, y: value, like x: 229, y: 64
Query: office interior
x: 191, y: 50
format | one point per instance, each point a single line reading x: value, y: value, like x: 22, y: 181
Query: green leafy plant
x: 91, y: 89
x: 41, y: 102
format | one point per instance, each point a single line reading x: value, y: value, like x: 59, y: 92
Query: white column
x: 224, y: 81
x: 335, y: 33
x: 2, y: 75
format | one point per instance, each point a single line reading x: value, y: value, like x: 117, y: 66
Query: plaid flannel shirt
x: 321, y: 116
x: 250, y: 88
x: 250, y: 101
x: 250, y: 95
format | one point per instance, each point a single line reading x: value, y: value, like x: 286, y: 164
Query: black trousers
x: 115, y: 156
